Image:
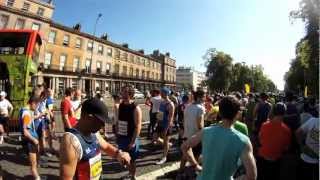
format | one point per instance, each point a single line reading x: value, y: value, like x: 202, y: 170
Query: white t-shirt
x: 5, y: 105
x: 156, y: 101
x: 75, y: 104
x: 191, y: 113
x: 311, y: 128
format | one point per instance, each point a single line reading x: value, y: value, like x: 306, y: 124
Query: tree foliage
x: 223, y: 75
x: 304, y: 69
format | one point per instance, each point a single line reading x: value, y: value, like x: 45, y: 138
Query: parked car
x: 138, y: 94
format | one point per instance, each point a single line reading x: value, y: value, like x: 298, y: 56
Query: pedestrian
x: 41, y: 123
x: 81, y: 146
x: 305, y: 115
x: 51, y: 124
x: 165, y: 123
x: 30, y: 135
x: 249, y: 119
x: 6, y: 109
x: 67, y: 113
x: 76, y: 104
x: 308, y: 137
x: 292, y: 113
x: 115, y: 110
x: 227, y: 144
x: 193, y: 123
x: 181, y: 108
x: 175, y: 101
x: 275, y: 139
x: 261, y: 112
x: 155, y: 101
x: 129, y: 127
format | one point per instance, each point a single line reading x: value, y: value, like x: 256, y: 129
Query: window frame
x: 78, y: 43
x: 64, y: 40
x: 7, y: 21
x: 35, y: 23
x: 20, y: 20
x: 46, y: 65
x: 61, y: 68
x: 40, y: 9
x: 100, y: 51
x: 11, y: 1
x: 90, y: 48
x: 25, y: 6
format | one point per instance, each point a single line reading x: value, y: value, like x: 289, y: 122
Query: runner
x: 308, y: 137
x: 40, y: 122
x: 76, y: 104
x: 165, y: 123
x: 274, y: 138
x: 67, y: 113
x: 261, y: 112
x: 52, y: 124
x: 80, y: 149
x: 193, y: 123
x: 30, y: 135
x: 227, y: 144
x: 181, y: 108
x: 5, y: 112
x: 156, y: 101
x: 115, y: 110
x: 129, y: 127
x: 173, y: 98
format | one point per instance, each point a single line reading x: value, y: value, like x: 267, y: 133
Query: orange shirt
x: 275, y: 138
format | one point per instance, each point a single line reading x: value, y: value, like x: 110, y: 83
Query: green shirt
x: 221, y: 150
x: 241, y: 127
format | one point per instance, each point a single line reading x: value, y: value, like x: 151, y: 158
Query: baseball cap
x: 95, y: 107
x: 165, y: 91
x: 2, y: 93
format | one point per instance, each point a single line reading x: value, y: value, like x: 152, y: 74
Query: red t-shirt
x: 66, y: 108
x: 275, y: 138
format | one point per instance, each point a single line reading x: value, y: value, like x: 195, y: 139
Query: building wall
x: 160, y: 70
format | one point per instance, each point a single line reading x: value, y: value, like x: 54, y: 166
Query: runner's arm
x: 137, y: 120
x: 68, y: 157
x: 190, y: 143
x: 200, y: 119
x: 112, y: 151
x: 249, y: 162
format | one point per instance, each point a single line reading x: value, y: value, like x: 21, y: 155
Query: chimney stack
x: 125, y: 45
x: 104, y: 36
x: 141, y: 51
x: 77, y: 27
x: 156, y: 53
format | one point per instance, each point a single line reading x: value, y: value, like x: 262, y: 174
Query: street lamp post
x: 94, y: 34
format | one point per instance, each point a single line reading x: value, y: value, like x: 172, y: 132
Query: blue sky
x: 253, y: 31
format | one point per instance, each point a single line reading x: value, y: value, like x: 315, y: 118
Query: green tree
x: 219, y: 67
x: 304, y: 70
x: 225, y: 76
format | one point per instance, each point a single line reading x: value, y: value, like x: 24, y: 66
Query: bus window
x: 13, y: 43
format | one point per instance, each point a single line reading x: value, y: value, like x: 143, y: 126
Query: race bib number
x: 160, y: 116
x: 95, y: 167
x: 123, y: 128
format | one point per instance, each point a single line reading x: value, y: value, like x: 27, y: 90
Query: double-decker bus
x: 19, y: 53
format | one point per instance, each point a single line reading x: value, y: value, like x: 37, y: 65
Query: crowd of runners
x: 221, y: 135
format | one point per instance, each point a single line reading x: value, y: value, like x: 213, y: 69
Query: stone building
x: 72, y: 58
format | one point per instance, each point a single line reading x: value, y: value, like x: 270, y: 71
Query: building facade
x: 71, y: 58
x: 188, y: 78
